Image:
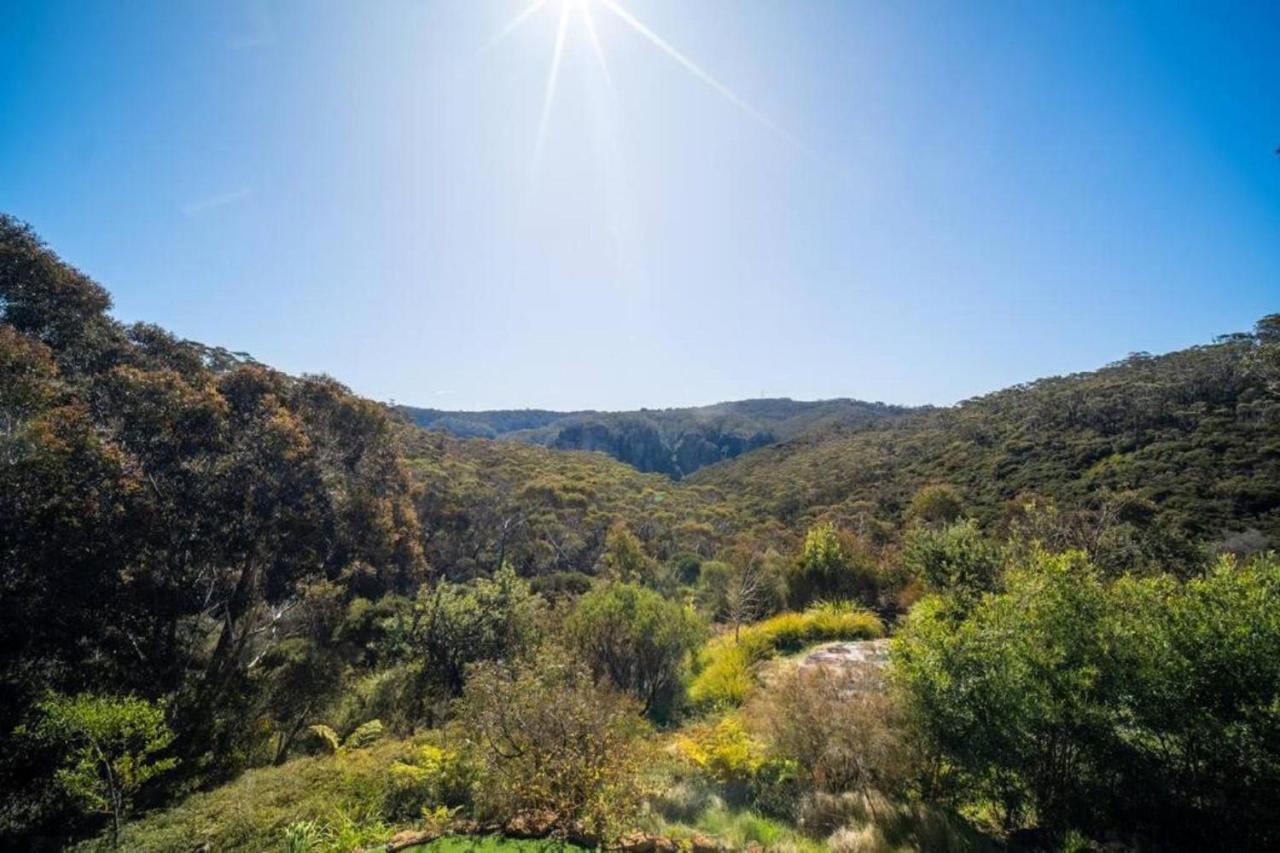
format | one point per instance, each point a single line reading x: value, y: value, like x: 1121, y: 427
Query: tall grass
x: 725, y: 666
x: 739, y: 829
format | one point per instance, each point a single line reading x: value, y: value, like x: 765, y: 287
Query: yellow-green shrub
x: 725, y: 665
x: 726, y: 755
x: 724, y: 751
x: 429, y: 777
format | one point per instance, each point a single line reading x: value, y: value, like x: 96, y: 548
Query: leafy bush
x: 430, y: 777
x: 459, y: 624
x: 1077, y: 702
x: 956, y: 559
x: 936, y: 504
x: 387, y: 694
x: 833, y: 566
x: 111, y: 747
x: 636, y: 639
x: 558, y: 585
x: 728, y: 756
x: 552, y: 742
x: 743, y: 589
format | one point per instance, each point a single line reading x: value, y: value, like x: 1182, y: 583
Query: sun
x: 584, y: 12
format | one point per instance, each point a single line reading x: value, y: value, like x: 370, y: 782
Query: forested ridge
x: 675, y: 442
x: 1194, y: 431
x: 242, y: 610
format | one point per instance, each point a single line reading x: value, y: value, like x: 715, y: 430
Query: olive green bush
x: 552, y: 743
x: 1144, y: 704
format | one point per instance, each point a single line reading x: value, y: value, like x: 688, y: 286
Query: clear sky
x: 905, y: 201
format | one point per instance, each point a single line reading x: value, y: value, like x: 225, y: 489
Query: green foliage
x: 956, y: 558
x: 1066, y: 694
x: 488, y: 843
x: 431, y: 778
x: 543, y: 511
x: 624, y: 558
x: 303, y: 836
x: 833, y: 566
x: 334, y: 803
x: 249, y: 551
x: 483, y: 619
x: 936, y: 504
x: 743, y: 590
x: 165, y: 509
x: 327, y: 736
x: 110, y: 747
x: 364, y: 735
x: 636, y: 639
x: 551, y: 741
x: 735, y: 827
x: 299, y: 677
x: 725, y: 671
x: 560, y: 585
x: 728, y: 756
x: 1193, y: 431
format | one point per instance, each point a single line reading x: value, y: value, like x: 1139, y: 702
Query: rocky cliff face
x: 641, y: 444
x: 675, y: 442
x: 637, y: 444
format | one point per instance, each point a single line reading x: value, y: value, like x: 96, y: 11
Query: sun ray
x: 514, y: 23
x: 549, y: 95
x: 584, y: 7
x: 694, y: 69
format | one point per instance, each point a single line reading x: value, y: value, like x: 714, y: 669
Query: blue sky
x: 910, y: 202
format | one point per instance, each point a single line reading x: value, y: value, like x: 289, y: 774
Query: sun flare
x: 567, y: 11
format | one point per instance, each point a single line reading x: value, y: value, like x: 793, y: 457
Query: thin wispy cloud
x: 204, y: 205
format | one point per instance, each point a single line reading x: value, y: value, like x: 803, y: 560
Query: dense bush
x: 456, y: 625
x: 744, y: 589
x: 554, y: 745
x: 163, y: 507
x: 1140, y: 704
x: 1193, y: 431
x: 111, y: 748
x: 264, y: 556
x: 637, y: 640
x: 728, y: 756
x: 833, y: 566
x: 347, y: 799
x: 956, y: 558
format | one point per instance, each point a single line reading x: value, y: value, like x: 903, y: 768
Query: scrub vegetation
x: 242, y: 610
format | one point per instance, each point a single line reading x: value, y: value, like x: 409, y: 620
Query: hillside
x: 543, y: 511
x: 1195, y: 432
x: 674, y: 442
x: 244, y: 610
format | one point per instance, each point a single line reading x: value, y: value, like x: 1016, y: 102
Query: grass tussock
x: 725, y: 666
x: 736, y: 828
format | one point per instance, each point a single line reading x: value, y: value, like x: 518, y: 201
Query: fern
x: 364, y: 735
x: 328, y: 736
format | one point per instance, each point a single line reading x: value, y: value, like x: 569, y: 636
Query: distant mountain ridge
x: 1196, y: 433
x: 675, y: 442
